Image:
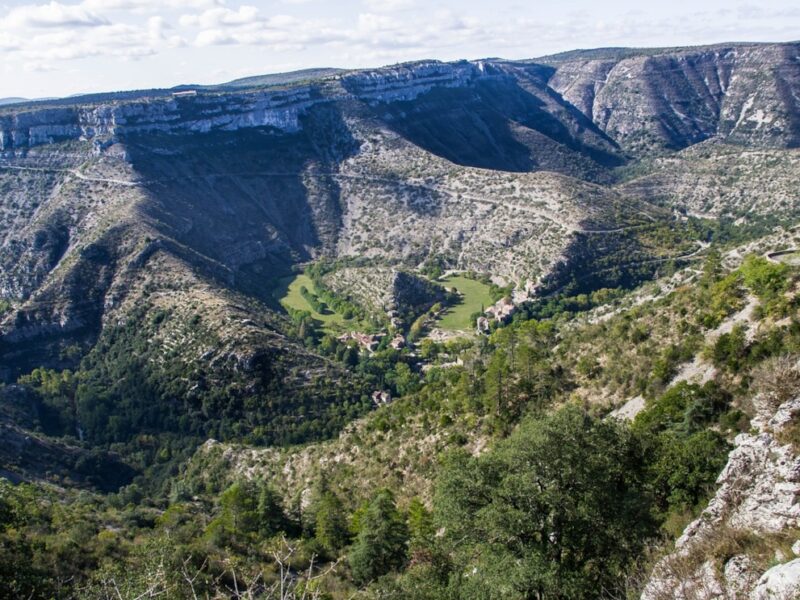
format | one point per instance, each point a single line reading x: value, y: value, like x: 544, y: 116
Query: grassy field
x: 475, y: 295
x: 288, y: 294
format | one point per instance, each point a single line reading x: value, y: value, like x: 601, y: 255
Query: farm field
x: 289, y: 296
x: 475, y: 295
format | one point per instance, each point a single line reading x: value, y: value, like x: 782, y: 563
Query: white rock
x: 781, y: 582
x: 204, y: 112
x: 629, y: 410
x: 758, y: 492
x: 740, y: 574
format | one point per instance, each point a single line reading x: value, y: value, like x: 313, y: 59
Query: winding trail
x: 539, y: 212
x: 75, y: 173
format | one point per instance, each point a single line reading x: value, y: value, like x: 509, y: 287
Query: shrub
x: 778, y: 379
x: 730, y: 349
x: 766, y: 279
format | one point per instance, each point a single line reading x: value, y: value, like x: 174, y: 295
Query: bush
x: 766, y: 279
x: 778, y: 379
x: 730, y: 350
x: 558, y: 510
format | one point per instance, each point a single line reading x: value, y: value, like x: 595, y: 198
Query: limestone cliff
x: 745, y: 543
x: 672, y: 98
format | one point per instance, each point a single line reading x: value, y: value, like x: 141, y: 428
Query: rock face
x: 779, y: 583
x: 407, y: 82
x: 207, y: 111
x: 758, y: 496
x: 743, y: 93
x: 644, y: 101
x: 485, y: 114
x: 176, y: 115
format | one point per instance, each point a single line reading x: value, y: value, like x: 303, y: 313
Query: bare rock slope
x: 673, y: 98
x: 744, y: 544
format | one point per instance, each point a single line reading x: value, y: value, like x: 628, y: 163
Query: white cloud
x: 53, y: 15
x: 389, y: 5
x: 42, y: 35
x: 38, y: 67
x: 223, y: 17
x: 117, y: 40
x: 9, y: 43
x: 148, y: 5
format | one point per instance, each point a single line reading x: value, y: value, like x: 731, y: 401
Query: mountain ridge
x: 411, y: 79
x: 496, y: 167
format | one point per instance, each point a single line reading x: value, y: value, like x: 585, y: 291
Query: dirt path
x: 75, y: 173
x: 547, y: 214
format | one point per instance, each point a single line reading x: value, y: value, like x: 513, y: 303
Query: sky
x: 64, y: 47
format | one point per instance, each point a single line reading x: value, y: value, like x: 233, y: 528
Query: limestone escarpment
x: 733, y: 550
x: 643, y: 100
x: 204, y: 111
x: 487, y: 114
x: 670, y: 99
x: 174, y: 115
x: 408, y: 81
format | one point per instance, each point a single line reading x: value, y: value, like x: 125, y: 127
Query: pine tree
x: 381, y: 543
x: 270, y: 514
x: 330, y: 528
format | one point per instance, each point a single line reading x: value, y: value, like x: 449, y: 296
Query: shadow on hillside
x: 256, y: 201
x: 496, y: 124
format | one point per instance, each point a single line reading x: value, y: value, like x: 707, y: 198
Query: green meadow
x: 475, y: 295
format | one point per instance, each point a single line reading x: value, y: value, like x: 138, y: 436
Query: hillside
x: 695, y: 348
x: 476, y: 318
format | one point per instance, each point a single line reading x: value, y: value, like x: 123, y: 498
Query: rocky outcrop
x: 179, y: 114
x: 643, y: 100
x: 726, y: 552
x: 205, y: 111
x: 779, y: 583
x: 672, y: 99
x: 580, y: 81
x: 407, y: 82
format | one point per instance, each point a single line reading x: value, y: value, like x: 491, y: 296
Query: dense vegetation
x: 561, y: 502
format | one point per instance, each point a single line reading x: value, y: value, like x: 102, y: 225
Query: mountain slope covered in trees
x: 225, y: 364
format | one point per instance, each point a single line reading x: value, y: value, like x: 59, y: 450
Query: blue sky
x: 61, y: 47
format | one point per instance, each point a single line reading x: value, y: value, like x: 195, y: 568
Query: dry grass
x: 778, y: 379
x: 682, y: 570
